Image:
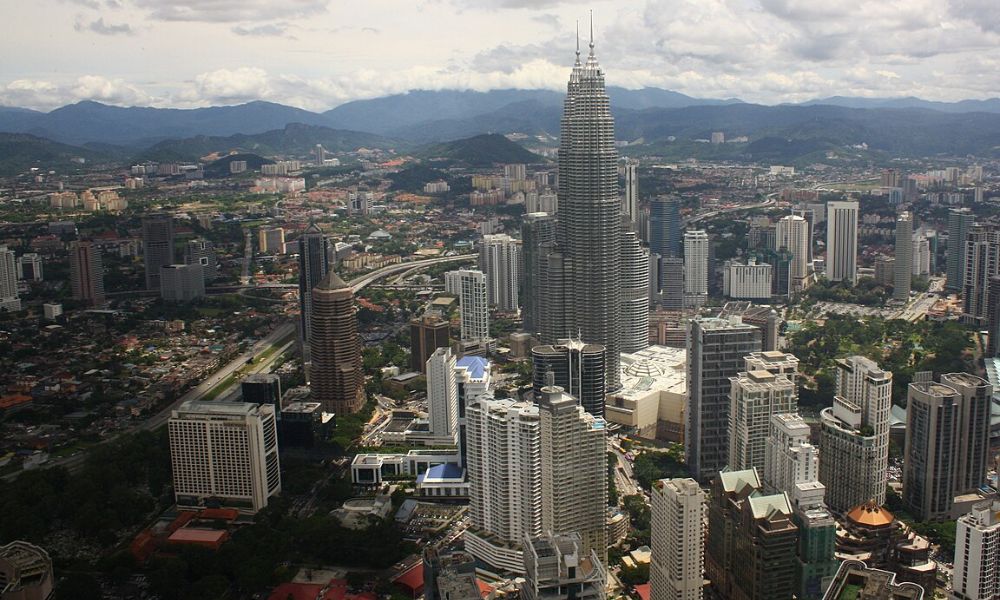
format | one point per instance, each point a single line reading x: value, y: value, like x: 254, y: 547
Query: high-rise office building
x: 157, y: 246
x: 751, y: 551
x: 977, y: 554
x: 696, y: 251
x: 630, y: 200
x: 677, y: 537
x: 538, y: 233
x: 181, y: 283
x: 503, y: 453
x: 773, y: 361
x: 202, y: 252
x: 427, y: 334
x: 500, y: 260
x: 635, y: 294
x: 574, y: 476
x: 982, y: 261
x: 842, y: 240
x: 672, y: 283
x: 716, y: 349
x: 442, y: 397
x: 336, y: 378
x: 9, y: 299
x: 665, y: 226
x: 262, y: 388
x: 470, y: 287
x: 755, y: 396
x: 903, y: 265
x: 314, y: 264
x: 86, y: 273
x: 947, y: 442
x: 960, y: 221
x: 792, y: 234
x: 590, y: 214
x: 225, y: 452
x: 854, y: 435
x: 29, y: 267
x: 750, y: 281
x: 561, y: 567
x: 993, y: 317
x: 580, y: 369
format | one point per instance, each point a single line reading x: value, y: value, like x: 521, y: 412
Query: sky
x: 317, y: 54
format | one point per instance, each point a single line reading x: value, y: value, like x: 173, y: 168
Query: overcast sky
x: 317, y: 54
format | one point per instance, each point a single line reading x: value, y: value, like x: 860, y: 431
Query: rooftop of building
x: 871, y: 514
x: 477, y: 366
x: 766, y: 507
x: 855, y: 581
x: 442, y: 473
x: 199, y: 407
x: 736, y: 481
x: 655, y: 368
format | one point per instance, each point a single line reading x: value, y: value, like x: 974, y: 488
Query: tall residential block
x: 977, y: 554
x: 947, y: 442
x: 314, y: 264
x: 696, y: 251
x: 678, y: 540
x: 716, y: 351
x: 560, y: 567
x: 982, y: 261
x: 336, y: 378
x: 579, y: 369
x: 590, y: 215
x: 793, y: 235
x: 635, y: 294
x: 574, y: 472
x: 442, y: 397
x: 755, y: 396
x: 791, y: 463
x: 854, y: 435
x: 202, y: 252
x: 427, y: 334
x: 9, y: 299
x: 960, y: 221
x: 503, y: 452
x: 86, y: 273
x: 225, y: 452
x: 842, y: 240
x: 157, y: 246
x: 538, y: 235
x: 903, y: 265
x: 470, y: 287
x: 500, y: 260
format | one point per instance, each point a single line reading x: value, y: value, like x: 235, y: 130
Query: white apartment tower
x: 225, y: 451
x: 751, y: 281
x: 793, y: 233
x: 442, y: 397
x: 754, y: 397
x: 977, y: 554
x: 903, y: 265
x: 854, y: 442
x: 9, y: 300
x: 842, y: 240
x: 574, y: 476
x: 470, y: 287
x: 503, y: 451
x: 695, y: 267
x: 677, y: 537
x: 791, y: 463
x: 500, y: 260
x: 635, y: 293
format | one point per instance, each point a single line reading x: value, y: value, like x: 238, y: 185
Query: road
x: 365, y: 280
x: 696, y: 218
x: 624, y: 482
x: 247, y: 257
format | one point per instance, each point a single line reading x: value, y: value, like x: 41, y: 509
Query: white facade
x: 503, y: 451
x: 903, y: 257
x: 677, y: 536
x: 751, y: 281
x: 9, y: 300
x: 470, y: 287
x: 854, y: 442
x: 793, y: 233
x: 842, y: 240
x: 921, y: 256
x: 226, y: 451
x: 754, y: 397
x: 791, y: 463
x: 500, y: 260
x: 442, y: 396
x: 695, y: 267
x: 977, y: 554
x: 630, y: 202
x: 635, y: 293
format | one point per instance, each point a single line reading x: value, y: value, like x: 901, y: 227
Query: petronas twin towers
x: 593, y: 265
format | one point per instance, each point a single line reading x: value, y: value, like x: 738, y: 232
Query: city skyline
x: 308, y: 54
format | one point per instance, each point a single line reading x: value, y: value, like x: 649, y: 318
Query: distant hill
x: 139, y: 127
x: 292, y: 139
x: 991, y: 105
x: 481, y: 151
x: 20, y: 152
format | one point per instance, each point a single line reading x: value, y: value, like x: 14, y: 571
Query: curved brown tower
x: 336, y: 378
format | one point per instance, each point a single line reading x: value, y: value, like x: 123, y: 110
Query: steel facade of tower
x: 538, y: 233
x: 336, y: 378
x: 157, y: 246
x: 314, y: 263
x: 665, y: 227
x: 635, y: 294
x: 903, y: 266
x: 579, y: 368
x: 960, y: 221
x: 589, y: 213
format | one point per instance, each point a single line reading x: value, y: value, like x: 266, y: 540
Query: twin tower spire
x: 591, y: 39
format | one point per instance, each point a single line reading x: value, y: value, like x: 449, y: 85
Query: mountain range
x: 650, y: 118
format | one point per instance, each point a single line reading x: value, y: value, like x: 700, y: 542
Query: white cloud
x: 102, y: 28
x: 46, y: 95
x: 230, y: 11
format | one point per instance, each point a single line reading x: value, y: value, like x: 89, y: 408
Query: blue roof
x: 445, y: 471
x: 476, y: 365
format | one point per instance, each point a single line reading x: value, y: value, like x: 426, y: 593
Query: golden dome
x: 870, y: 514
